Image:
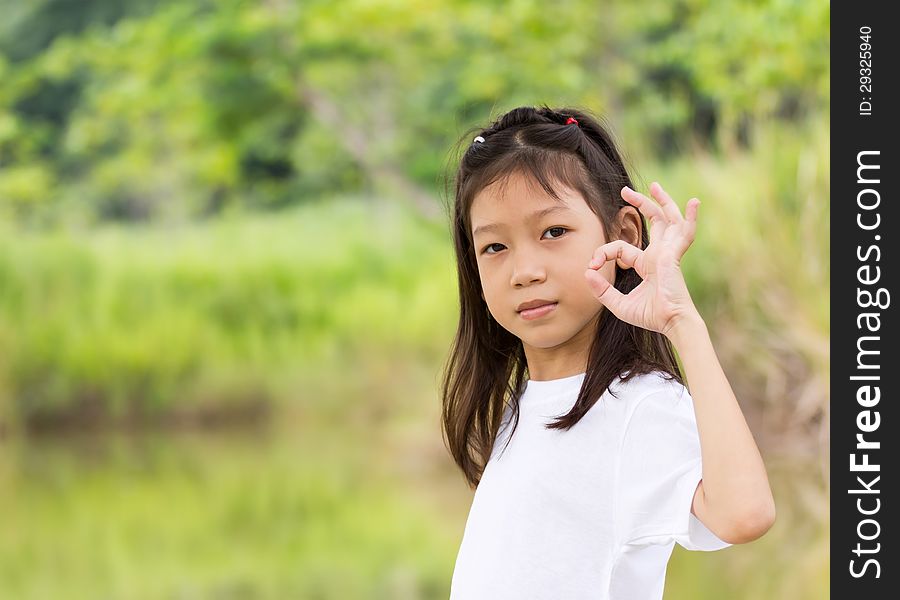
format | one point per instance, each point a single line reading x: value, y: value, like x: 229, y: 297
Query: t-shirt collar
x: 554, y: 387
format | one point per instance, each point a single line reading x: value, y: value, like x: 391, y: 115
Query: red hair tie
x: 571, y: 120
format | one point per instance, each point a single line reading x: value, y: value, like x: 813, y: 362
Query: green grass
x: 135, y: 320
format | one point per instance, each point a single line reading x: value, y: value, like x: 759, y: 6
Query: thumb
x: 604, y: 291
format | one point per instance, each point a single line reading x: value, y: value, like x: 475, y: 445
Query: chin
x: 543, y: 342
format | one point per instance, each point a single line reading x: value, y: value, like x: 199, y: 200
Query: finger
x: 687, y: 229
x: 690, y: 211
x: 646, y: 206
x: 656, y: 219
x: 604, y: 291
x: 670, y: 208
x: 626, y: 256
x: 690, y: 224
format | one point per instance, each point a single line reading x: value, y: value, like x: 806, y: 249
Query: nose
x: 526, y: 271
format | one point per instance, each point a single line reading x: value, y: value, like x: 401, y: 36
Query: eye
x: 559, y: 228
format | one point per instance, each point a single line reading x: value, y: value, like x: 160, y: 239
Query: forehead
x: 520, y: 200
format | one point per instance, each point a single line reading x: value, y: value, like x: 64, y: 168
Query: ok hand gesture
x: 661, y: 300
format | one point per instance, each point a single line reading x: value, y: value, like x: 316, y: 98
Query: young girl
x: 569, y: 324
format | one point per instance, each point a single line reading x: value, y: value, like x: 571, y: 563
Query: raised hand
x: 661, y: 300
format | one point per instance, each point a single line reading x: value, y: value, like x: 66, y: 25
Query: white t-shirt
x: 591, y: 513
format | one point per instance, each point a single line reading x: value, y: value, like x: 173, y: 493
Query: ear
x: 630, y: 225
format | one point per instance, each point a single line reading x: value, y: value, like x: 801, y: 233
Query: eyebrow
x: 533, y: 217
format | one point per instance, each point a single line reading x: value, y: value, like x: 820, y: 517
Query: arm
x: 734, y: 499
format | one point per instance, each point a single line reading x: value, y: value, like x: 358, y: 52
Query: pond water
x: 298, y: 511
x: 293, y: 513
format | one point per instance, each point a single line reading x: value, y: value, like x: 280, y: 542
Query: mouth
x: 537, y: 312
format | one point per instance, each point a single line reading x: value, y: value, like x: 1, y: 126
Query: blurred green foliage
x: 166, y: 110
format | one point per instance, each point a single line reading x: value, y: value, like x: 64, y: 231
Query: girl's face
x: 530, y: 247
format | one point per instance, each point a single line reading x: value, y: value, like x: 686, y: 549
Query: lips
x: 534, y: 304
x: 535, y: 313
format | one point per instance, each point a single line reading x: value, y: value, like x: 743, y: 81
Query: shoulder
x: 656, y: 399
x: 653, y: 387
x: 660, y: 422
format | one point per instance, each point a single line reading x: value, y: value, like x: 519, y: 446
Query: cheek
x: 489, y: 293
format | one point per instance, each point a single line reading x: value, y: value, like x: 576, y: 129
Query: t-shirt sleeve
x: 660, y: 468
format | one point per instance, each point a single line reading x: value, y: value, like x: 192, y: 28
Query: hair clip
x: 571, y: 120
x: 478, y: 139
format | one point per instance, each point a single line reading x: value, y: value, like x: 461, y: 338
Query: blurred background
x: 227, y: 285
